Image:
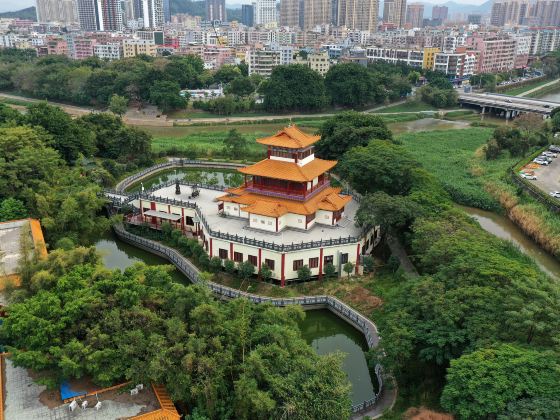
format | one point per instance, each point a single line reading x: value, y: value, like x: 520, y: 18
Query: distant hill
x: 28, y: 13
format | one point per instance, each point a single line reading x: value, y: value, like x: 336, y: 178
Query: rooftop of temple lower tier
x: 208, y: 204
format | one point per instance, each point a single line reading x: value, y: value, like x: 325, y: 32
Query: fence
x: 337, y: 307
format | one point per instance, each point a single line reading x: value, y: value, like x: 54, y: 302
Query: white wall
x: 324, y: 217
x: 262, y: 222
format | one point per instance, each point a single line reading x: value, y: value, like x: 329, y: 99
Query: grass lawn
x: 522, y: 89
x: 410, y: 106
x: 11, y: 101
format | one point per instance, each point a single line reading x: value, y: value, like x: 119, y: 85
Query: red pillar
x: 260, y: 262
x: 231, y: 250
x: 153, y: 207
x: 182, y: 218
x: 141, y: 210
x: 210, y: 247
x: 169, y: 208
x: 320, y: 263
x: 357, y: 258
x: 276, y: 226
x: 283, y: 277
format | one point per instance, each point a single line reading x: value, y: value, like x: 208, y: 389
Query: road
x: 508, y: 103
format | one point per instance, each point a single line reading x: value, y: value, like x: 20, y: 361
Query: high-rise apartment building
x: 216, y: 10
x: 316, y: 12
x: 87, y: 15
x: 547, y: 13
x: 166, y: 11
x: 150, y: 11
x: 440, y: 12
x: 474, y: 19
x: 63, y: 11
x: 394, y: 11
x: 248, y: 15
x: 415, y: 15
x: 358, y: 14
x: 290, y: 12
x: 265, y: 12
x: 509, y: 12
x: 109, y: 15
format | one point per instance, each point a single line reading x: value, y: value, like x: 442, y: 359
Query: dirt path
x: 539, y: 88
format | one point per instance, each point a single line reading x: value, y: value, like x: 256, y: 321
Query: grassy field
x: 522, y: 89
x: 454, y: 158
x: 11, y: 101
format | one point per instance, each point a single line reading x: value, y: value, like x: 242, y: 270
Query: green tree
x: 347, y: 130
x: 245, y: 270
x: 379, y: 166
x: 381, y: 209
x: 304, y: 273
x: 483, y: 383
x: 330, y: 271
x: 215, y: 264
x: 227, y: 73
x: 229, y: 266
x: 118, y: 105
x: 348, y: 268
x: 235, y: 144
x: 266, y: 272
x: 545, y: 408
x: 369, y: 264
x: 350, y: 84
x: 294, y: 87
x: 12, y: 209
x: 241, y: 86
x: 165, y: 94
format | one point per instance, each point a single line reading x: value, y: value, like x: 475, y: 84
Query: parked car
x: 550, y: 154
x: 555, y: 194
x: 553, y: 147
x: 541, y: 162
x: 545, y: 157
x: 528, y: 176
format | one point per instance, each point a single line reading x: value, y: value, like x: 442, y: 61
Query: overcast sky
x: 10, y: 5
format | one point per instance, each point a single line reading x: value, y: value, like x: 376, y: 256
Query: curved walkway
x: 553, y: 82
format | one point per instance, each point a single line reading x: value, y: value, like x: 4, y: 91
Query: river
x: 550, y: 96
x: 504, y: 228
x: 323, y: 330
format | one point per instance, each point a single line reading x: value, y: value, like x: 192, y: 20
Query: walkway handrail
x: 339, y: 308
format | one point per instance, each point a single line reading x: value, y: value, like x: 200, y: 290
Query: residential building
x: 149, y: 13
x: 415, y: 15
x: 290, y: 13
x: 262, y: 61
x: 134, y: 47
x: 358, y: 14
x: 248, y: 15
x: 109, y: 51
x: 216, y: 10
x: 394, y: 11
x: 316, y: 12
x: 429, y: 57
x: 544, y: 41
x: 547, y: 13
x: 88, y: 15
x: 265, y: 12
x: 63, y: 11
x: 166, y: 11
x: 100, y: 15
x: 458, y: 64
x: 474, y: 19
x: 495, y: 52
x: 509, y: 12
x: 318, y: 62
x: 440, y: 12
x: 413, y: 58
x: 522, y: 49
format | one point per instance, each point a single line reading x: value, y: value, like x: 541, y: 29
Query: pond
x: 323, y: 330
x: 219, y: 177
x: 327, y: 333
x: 427, y: 124
x: 504, y: 228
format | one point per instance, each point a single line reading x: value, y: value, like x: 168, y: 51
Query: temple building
x: 286, y: 214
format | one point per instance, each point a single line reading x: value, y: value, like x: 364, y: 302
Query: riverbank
x: 542, y: 90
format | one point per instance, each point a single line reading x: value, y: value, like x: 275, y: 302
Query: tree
x: 241, y: 86
x: 294, y: 87
x: 235, y: 145
x: 245, y: 270
x: 347, y: 130
x: 215, y: 264
x: 330, y: 271
x: 389, y: 211
x: 369, y: 264
x: 266, y: 272
x: 118, y: 105
x: 481, y: 384
x: 227, y: 73
x: 69, y: 138
x: 379, y: 166
x: 438, y: 97
x: 12, y: 209
x: 350, y: 84
x: 304, y: 273
x: 10, y: 115
x: 532, y: 408
x: 348, y: 268
x: 166, y: 95
x: 229, y: 266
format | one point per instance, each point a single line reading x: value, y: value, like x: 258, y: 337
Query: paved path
x: 399, y: 252
x: 539, y: 88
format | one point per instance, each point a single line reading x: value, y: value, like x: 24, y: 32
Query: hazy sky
x: 9, y: 5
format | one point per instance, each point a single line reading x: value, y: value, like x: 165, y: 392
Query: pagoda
x: 289, y: 189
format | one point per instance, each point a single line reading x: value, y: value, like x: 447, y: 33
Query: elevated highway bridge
x: 509, y: 106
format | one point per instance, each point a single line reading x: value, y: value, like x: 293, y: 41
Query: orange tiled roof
x: 263, y: 205
x: 290, y: 138
x: 289, y: 171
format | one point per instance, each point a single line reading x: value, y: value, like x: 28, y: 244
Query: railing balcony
x: 287, y: 193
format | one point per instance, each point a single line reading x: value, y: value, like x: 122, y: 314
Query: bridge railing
x: 339, y: 308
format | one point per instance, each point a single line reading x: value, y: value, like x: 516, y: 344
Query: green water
x: 327, y: 333
x: 219, y: 177
x: 118, y: 254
